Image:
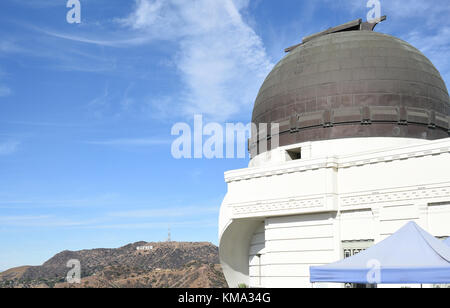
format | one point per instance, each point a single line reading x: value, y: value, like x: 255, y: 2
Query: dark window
x: 294, y: 154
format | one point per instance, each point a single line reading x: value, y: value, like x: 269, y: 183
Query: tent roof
x: 411, y: 255
x: 447, y: 241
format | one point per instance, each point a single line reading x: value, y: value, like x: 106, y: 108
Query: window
x: 294, y: 154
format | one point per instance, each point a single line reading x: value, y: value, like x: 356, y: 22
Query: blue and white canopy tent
x: 447, y: 241
x: 410, y: 256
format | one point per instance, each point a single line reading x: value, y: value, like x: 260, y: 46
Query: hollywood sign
x: 144, y: 248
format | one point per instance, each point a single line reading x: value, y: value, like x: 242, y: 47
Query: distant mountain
x: 141, y: 265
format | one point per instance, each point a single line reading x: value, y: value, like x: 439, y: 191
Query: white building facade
x: 364, y: 148
x: 340, y: 197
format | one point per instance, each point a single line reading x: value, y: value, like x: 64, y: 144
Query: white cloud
x: 119, y: 42
x: 63, y: 57
x: 221, y: 60
x: 98, y: 201
x: 433, y: 10
x: 8, y: 147
x: 112, y: 102
x: 425, y: 26
x: 137, y: 142
x: 4, y: 91
x: 9, y: 47
x: 99, y: 105
x: 166, y: 212
x: 191, y: 224
x: 40, y: 3
x: 43, y: 221
x: 436, y: 46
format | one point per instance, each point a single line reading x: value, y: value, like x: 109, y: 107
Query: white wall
x: 256, y: 252
x: 310, y: 206
x: 293, y: 244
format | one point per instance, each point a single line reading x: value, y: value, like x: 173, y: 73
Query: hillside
x: 13, y: 273
x: 166, y: 265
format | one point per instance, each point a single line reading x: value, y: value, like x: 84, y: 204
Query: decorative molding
x: 394, y: 196
x: 392, y: 157
x: 248, y: 208
x: 346, y: 203
x: 260, y: 173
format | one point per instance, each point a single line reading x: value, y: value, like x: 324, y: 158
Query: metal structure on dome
x: 354, y: 25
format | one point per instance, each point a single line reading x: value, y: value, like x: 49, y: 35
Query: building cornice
x: 433, y: 148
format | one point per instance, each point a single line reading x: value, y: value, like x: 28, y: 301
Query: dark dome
x: 354, y: 84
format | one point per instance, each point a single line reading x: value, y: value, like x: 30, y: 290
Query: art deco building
x: 364, y: 148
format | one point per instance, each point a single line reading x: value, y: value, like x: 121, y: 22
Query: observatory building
x: 363, y: 149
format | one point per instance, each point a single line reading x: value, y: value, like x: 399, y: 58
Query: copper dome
x: 354, y: 84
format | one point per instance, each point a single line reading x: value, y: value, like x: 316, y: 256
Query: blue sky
x: 86, y: 110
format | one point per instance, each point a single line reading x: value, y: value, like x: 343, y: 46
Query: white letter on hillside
x: 74, y: 275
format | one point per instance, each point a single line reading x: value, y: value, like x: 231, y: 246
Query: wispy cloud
x: 9, y: 47
x: 436, y: 46
x: 41, y: 43
x: 52, y: 221
x: 114, y: 102
x: 99, y: 105
x: 43, y: 221
x: 45, y: 124
x: 434, y: 11
x: 40, y: 3
x: 135, y: 219
x: 125, y: 42
x: 187, y: 224
x: 166, y: 212
x: 102, y: 200
x: 137, y: 142
x: 9, y: 147
x: 221, y: 59
x: 425, y: 27
x: 5, y: 91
